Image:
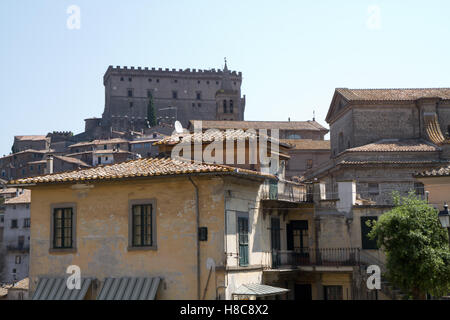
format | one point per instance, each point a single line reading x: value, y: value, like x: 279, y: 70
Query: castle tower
x: 229, y: 105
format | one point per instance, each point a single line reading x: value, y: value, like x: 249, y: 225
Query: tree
x: 151, y: 114
x: 416, y: 247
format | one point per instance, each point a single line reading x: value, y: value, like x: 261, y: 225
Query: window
x: 174, y: 94
x: 175, y: 80
x: 157, y: 80
x: 332, y: 292
x: 231, y: 106
x: 242, y: 222
x: 13, y: 223
x: 198, y: 81
x: 294, y: 136
x: 297, y: 237
x: 309, y: 163
x: 18, y: 259
x: 130, y: 92
x: 275, y: 240
x: 419, y: 188
x: 367, y: 243
x: 217, y: 82
x: 149, y: 79
x: 142, y: 223
x: 225, y: 106
x: 121, y: 78
x: 105, y: 147
x: 31, y: 168
x: 2, y: 218
x: 373, y: 189
x: 149, y: 94
x: 130, y: 79
x: 26, y: 222
x: 131, y: 104
x: 199, y: 95
x: 21, y: 241
x: 63, y: 229
x: 207, y: 82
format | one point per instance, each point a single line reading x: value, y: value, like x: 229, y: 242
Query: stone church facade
x: 381, y: 137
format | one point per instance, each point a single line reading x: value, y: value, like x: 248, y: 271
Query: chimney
x: 49, y: 168
x: 289, y: 119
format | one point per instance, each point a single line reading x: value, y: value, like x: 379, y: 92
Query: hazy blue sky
x: 292, y: 53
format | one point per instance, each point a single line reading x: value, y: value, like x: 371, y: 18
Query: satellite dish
x: 178, y: 127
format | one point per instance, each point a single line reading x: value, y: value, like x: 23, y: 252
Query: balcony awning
x: 258, y: 290
x: 128, y: 288
x: 56, y: 289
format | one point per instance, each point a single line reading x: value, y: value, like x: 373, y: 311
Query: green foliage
x: 416, y: 246
x: 151, y: 113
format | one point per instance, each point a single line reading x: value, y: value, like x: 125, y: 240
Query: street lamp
x: 444, y: 219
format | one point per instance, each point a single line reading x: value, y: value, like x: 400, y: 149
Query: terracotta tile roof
x: 22, y: 284
x: 73, y: 160
x: 96, y: 142
x: 214, y: 135
x: 438, y: 172
x: 26, y: 151
x: 396, y: 145
x: 411, y: 163
x: 309, y: 125
x: 308, y: 144
x: 144, y: 167
x: 393, y: 94
x: 25, y: 197
x: 32, y: 137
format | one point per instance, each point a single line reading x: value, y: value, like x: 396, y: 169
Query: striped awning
x: 259, y: 290
x: 56, y: 289
x: 128, y: 288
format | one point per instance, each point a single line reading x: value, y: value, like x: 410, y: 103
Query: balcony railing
x: 287, y: 191
x: 334, y: 257
x: 15, y: 247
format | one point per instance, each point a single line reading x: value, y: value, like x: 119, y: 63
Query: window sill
x: 143, y: 248
x: 62, y: 250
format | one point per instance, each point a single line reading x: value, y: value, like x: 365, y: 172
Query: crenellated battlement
x: 163, y: 72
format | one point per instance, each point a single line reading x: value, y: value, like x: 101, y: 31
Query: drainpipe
x: 197, y: 212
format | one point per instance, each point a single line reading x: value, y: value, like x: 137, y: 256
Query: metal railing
x: 287, y: 191
x: 15, y: 247
x: 334, y: 257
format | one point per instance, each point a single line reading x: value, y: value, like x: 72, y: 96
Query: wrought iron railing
x: 287, y: 191
x: 316, y: 257
x: 15, y: 247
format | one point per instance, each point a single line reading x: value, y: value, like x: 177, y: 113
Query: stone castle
x: 177, y: 95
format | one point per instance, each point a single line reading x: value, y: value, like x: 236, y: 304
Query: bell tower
x: 228, y: 99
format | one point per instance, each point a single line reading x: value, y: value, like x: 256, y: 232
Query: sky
x: 292, y: 54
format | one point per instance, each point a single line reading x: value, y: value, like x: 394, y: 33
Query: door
x: 275, y: 241
x: 302, y: 292
x: 298, y: 240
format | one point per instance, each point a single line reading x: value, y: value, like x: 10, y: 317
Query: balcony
x: 18, y: 248
x: 287, y: 191
x: 328, y: 257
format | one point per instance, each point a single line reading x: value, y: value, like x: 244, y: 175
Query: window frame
x: 53, y: 207
x: 243, y: 215
x: 131, y: 204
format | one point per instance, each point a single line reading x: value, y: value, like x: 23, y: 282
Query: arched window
x: 225, y: 106
x: 231, y: 106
